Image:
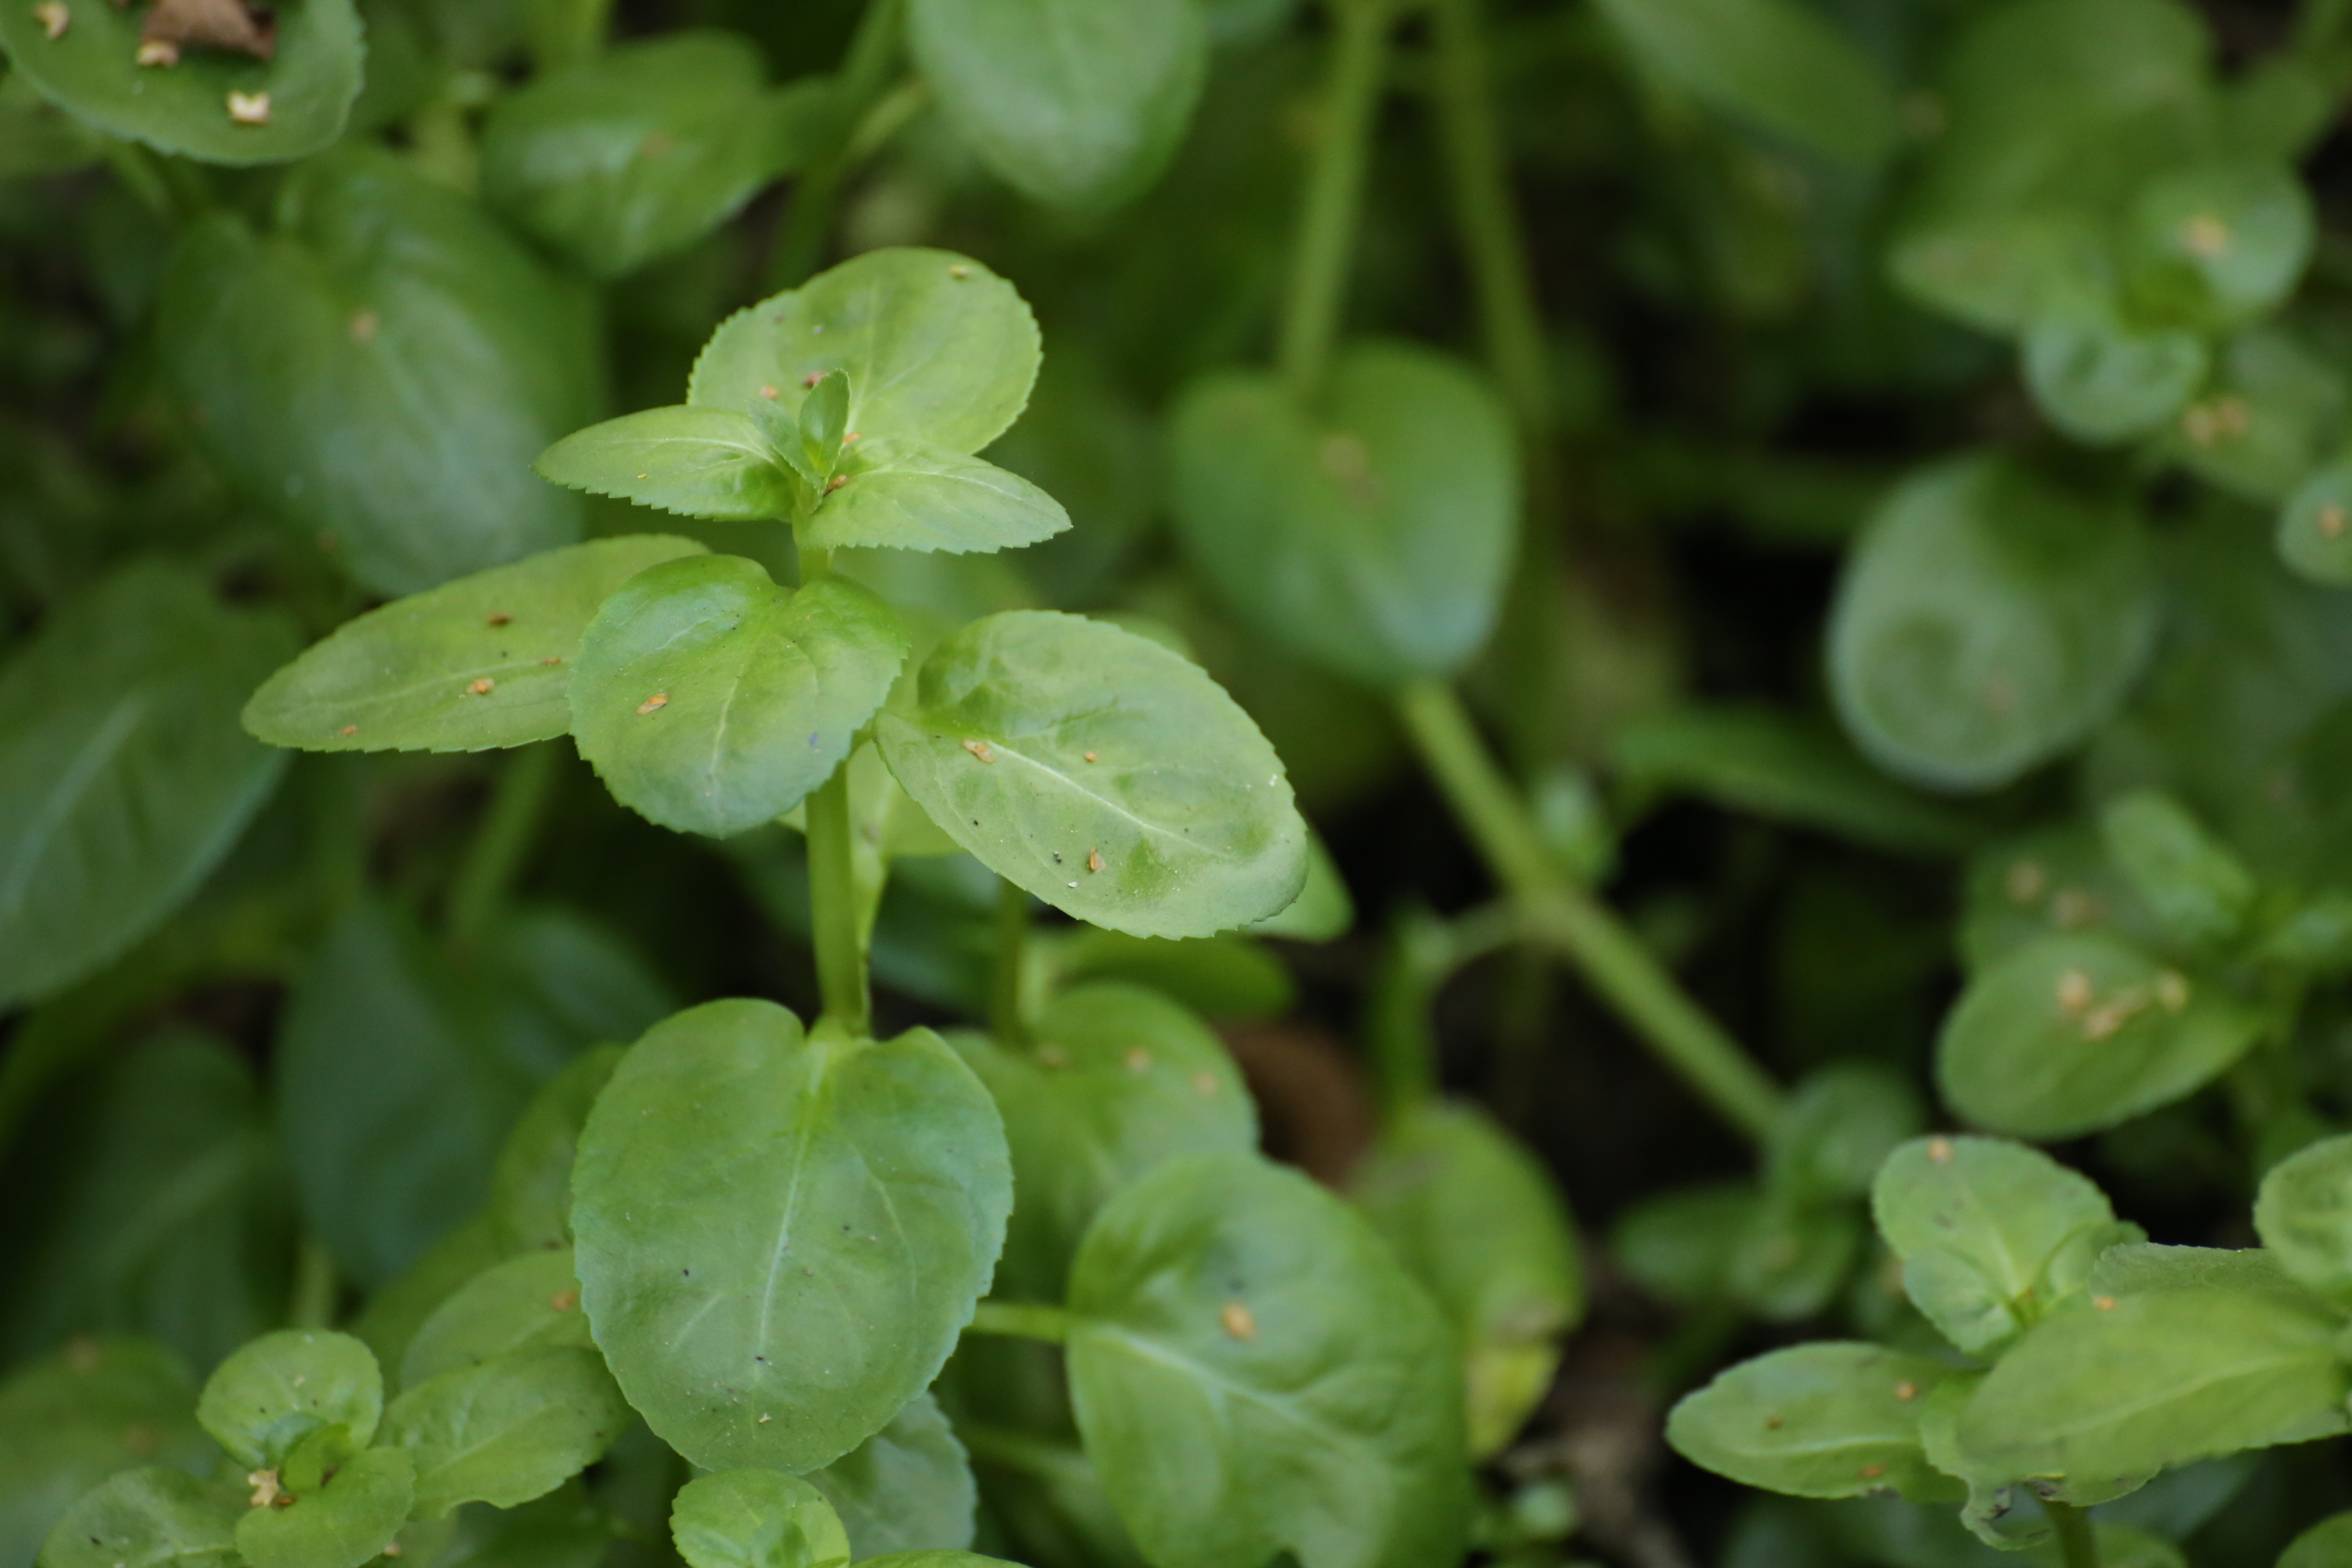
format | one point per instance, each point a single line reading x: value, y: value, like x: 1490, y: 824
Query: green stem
x: 503, y: 841
x: 1004, y: 998
x: 1021, y: 1319
x: 2078, y: 1543
x: 1562, y: 916
x: 568, y: 32
x: 313, y: 1303
x: 839, y: 936
x: 1334, y: 197
x: 864, y: 77
x: 1424, y: 954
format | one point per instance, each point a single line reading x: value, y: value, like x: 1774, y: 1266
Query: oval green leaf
x: 696, y: 462
x: 530, y: 1302
x: 151, y: 1518
x: 756, y: 1519
x: 2304, y: 1215
x: 780, y: 1237
x: 531, y: 1188
x: 1832, y: 1419
x: 2314, y: 527
x: 909, y: 1488
x: 342, y: 1525
x: 506, y: 1430
x: 1102, y: 772
x: 70, y: 1421
x: 285, y: 1386
x: 905, y: 494
x: 2239, y: 233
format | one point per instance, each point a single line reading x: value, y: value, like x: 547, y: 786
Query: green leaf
x: 93, y: 69
x: 341, y: 1525
x: 2196, y: 887
x: 403, y: 677
x: 1375, y: 538
x: 530, y: 1187
x: 2314, y: 527
x: 1991, y: 1233
x: 1075, y: 103
x: 38, y: 138
x: 1253, y: 1372
x: 2237, y: 235
x: 395, y: 1312
x: 381, y: 371
x: 644, y: 149
x: 2136, y: 1384
x: 2051, y: 880
x: 152, y: 1518
x: 2304, y: 1215
x: 2327, y: 1544
x: 1776, y: 64
x: 1120, y: 1082
x: 506, y: 1430
x: 939, y: 1560
x: 905, y: 494
x: 1047, y: 745
x: 2142, y: 1268
x: 711, y: 701
x: 1478, y: 1220
x: 530, y: 1302
x: 285, y: 1386
x: 2102, y: 380
x: 697, y: 462
x: 1678, y: 1245
x: 123, y: 780
x: 756, y: 1519
x: 2077, y: 1033
x: 799, y: 1223
x: 908, y: 1488
x: 1829, y: 1420
x: 70, y: 1421
x: 2272, y: 413
x: 1323, y: 911
x: 1986, y: 621
x: 938, y: 348
x: 1841, y: 1124
x: 1221, y: 978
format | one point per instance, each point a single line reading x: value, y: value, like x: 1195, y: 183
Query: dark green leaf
x: 1829, y: 1420
x: 306, y: 88
x: 908, y: 1488
x: 801, y: 1224
x: 123, y: 778
x: 1477, y: 1220
x: 2304, y: 1215
x: 1077, y: 103
x: 2195, y: 885
x: 1986, y: 621
x: 38, y: 138
x: 1323, y: 911
x: 531, y: 1188
x: 1105, y: 774
x: 1231, y: 1313
x: 68, y: 1422
x: 1120, y: 1082
x: 2314, y: 527
x: 2327, y: 1544
x: 2271, y: 414
x: 148, y: 1518
x: 1375, y: 538
x: 382, y: 371
x: 394, y: 1313
x: 2051, y: 880
x: 2076, y: 1033
x: 756, y: 1519
x: 697, y: 462
x: 1219, y: 978
x: 283, y: 1387
x: 530, y: 1302
x: 1678, y: 1246
x: 404, y: 676
x: 507, y: 1429
x: 643, y: 150
x: 2102, y: 379
x: 712, y: 700
x: 342, y: 1525
x: 2240, y: 232
x: 1838, y: 1128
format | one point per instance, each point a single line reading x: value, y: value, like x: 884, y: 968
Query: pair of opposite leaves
x: 1099, y: 770
x: 2111, y: 1359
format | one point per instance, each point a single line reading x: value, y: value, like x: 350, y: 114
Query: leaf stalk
x: 1334, y: 197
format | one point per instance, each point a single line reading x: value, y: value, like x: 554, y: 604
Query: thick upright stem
x: 1565, y: 918
x: 864, y: 75
x: 1335, y: 191
x: 839, y: 932
x: 2078, y: 1543
x: 495, y: 858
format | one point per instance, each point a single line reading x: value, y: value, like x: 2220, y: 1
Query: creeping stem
x: 1335, y: 191
x: 1565, y: 918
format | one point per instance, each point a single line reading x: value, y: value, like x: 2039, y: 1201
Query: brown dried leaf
x: 211, y: 24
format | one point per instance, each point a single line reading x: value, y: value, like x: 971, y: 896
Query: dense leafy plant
x: 1876, y: 564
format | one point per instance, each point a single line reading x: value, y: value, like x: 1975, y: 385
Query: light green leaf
x: 70, y: 1421
x: 2327, y: 1544
x: 1776, y: 64
x: 404, y: 676
x: 644, y: 149
x: 1986, y: 621
x: 756, y: 1519
x: 2143, y: 1268
x: 506, y: 1430
x: 906, y: 494
x: 908, y: 1488
x: 1991, y: 1233
x: 123, y: 780
x: 938, y: 348
x: 152, y: 1518
x: 93, y: 69
x: 1478, y: 1221
x: 2314, y: 527
x: 711, y: 701
x: 381, y: 371
x: 2102, y: 380
x: 697, y: 462
x: 285, y: 1386
x: 1102, y: 772
x: 2044, y: 882
x: 2229, y: 239
x: 1076, y: 103
x: 1374, y: 538
x: 530, y: 1187
x: 342, y: 1525
x: 2196, y: 887
x: 2273, y: 412
x: 2156, y: 1380
x: 2072, y: 1034
x: 530, y: 1302
x: 1253, y: 1372
x: 2304, y: 1215
x: 1832, y: 1419
x: 799, y: 1223
x: 1120, y: 1082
